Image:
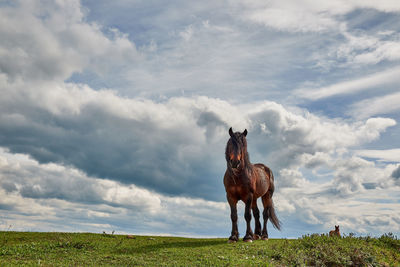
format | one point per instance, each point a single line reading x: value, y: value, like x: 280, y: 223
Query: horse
x: 247, y: 182
x: 335, y: 232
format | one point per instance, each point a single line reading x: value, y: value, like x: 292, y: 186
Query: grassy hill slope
x: 49, y: 249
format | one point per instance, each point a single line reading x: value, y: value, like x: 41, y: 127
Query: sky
x: 114, y: 115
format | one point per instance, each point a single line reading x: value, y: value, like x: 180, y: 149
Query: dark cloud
x: 396, y: 173
x: 8, y: 185
x: 6, y: 207
x: 370, y: 186
x: 212, y: 123
x: 162, y: 154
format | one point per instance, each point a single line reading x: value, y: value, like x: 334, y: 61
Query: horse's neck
x: 246, y: 160
x: 247, y: 165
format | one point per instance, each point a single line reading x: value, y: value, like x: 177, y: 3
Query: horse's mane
x: 238, y: 143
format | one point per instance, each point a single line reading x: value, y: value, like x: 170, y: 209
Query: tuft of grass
x: 66, y: 249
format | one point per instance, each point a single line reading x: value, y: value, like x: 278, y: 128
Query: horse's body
x: 247, y: 182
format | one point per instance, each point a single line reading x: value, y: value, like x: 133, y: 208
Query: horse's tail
x: 272, y: 216
x: 270, y: 208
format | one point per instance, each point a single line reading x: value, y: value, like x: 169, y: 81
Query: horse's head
x: 236, y: 149
x: 337, y: 228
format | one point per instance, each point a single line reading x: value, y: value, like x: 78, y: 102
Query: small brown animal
x: 335, y: 232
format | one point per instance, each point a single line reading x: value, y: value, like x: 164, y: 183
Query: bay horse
x: 247, y: 182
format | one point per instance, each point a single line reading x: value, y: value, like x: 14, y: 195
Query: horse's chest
x: 238, y: 191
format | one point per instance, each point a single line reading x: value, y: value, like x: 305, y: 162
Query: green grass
x: 49, y: 249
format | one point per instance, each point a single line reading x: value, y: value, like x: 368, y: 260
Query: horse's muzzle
x: 235, y: 164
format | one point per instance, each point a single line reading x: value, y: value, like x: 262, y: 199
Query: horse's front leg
x: 247, y: 215
x: 235, y: 233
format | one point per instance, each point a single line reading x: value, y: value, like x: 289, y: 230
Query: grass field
x: 49, y: 249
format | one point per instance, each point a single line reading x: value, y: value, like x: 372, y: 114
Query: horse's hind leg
x: 256, y: 214
x: 267, y: 203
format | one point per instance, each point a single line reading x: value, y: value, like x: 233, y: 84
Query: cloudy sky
x: 114, y: 115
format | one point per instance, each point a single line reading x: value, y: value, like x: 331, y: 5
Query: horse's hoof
x: 233, y: 239
x: 256, y: 237
x: 264, y: 238
x: 248, y: 238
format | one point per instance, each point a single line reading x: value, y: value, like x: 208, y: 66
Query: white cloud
x: 359, y: 47
x: 187, y: 33
x: 359, y: 194
x: 351, y: 87
x: 392, y: 155
x: 388, y: 50
x: 385, y: 104
x: 51, y: 40
x: 350, y: 175
x: 384, y: 6
x: 291, y: 178
x: 368, y: 49
x: 296, y: 16
x: 291, y: 138
x: 293, y: 20
x: 308, y: 16
x: 373, y: 127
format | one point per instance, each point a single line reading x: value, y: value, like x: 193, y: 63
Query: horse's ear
x: 230, y: 132
x: 245, y: 132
